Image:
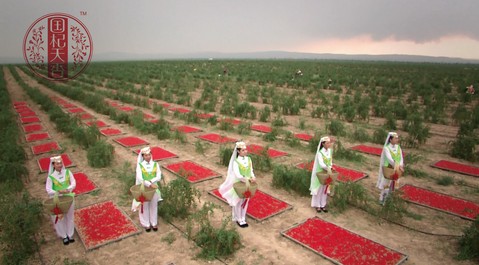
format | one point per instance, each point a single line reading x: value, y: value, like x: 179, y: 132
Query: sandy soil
x: 431, y: 240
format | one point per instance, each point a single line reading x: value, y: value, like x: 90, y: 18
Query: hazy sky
x: 418, y: 27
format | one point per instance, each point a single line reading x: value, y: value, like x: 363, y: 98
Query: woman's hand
x: 154, y: 186
x: 252, y: 180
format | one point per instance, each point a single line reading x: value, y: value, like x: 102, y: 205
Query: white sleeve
x: 401, y: 163
x: 388, y: 156
x: 252, y: 171
x: 49, y: 187
x: 321, y: 161
x: 158, y: 174
x: 73, y: 182
x: 236, y: 171
x: 139, y: 176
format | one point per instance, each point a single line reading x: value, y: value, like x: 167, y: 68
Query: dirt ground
x: 431, y: 240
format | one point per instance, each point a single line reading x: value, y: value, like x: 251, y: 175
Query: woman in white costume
x: 391, y: 156
x: 60, y: 180
x: 323, y: 162
x: 148, y: 171
x: 240, y: 168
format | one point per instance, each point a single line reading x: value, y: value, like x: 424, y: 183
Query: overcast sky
x: 417, y: 27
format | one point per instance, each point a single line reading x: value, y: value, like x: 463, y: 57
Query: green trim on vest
x: 245, y: 171
x: 57, y: 185
x: 396, y: 156
x: 326, y: 160
x: 148, y: 175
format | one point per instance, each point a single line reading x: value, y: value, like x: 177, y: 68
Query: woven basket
x: 147, y: 193
x: 323, y: 177
x: 389, y: 173
x: 240, y: 188
x: 64, y: 203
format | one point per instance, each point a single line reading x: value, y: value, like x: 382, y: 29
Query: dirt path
x: 262, y: 241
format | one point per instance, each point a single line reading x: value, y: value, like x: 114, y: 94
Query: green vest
x: 148, y: 175
x: 245, y: 171
x: 57, y: 185
x: 396, y: 156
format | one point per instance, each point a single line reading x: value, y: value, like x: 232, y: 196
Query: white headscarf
x: 145, y: 150
x: 227, y: 186
x: 381, y: 162
x: 56, y: 159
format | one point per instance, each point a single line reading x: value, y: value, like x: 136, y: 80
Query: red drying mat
x: 23, y: 108
x: 230, y: 120
x: 262, y: 206
x: 33, y: 128
x: 457, y: 167
x: 126, y: 109
x: 44, y: 163
x: 180, y: 110
x: 187, y: 129
x: 67, y: 105
x: 345, y: 174
x: 110, y: 131
x: 103, y: 223
x: 303, y: 136
x: 439, y: 201
x: 261, y: 128
x: 159, y: 153
x: 204, y: 115
x: 368, y: 149
x: 45, y: 148
x: 147, y: 116
x: 86, y: 116
x: 130, y: 141
x: 113, y: 103
x: 75, y: 110
x: 19, y: 103
x: 341, y: 246
x: 257, y: 150
x: 84, y: 184
x: 36, y: 137
x: 99, y: 124
x: 29, y: 120
x: 216, y: 138
x: 191, y: 171
x: 27, y: 114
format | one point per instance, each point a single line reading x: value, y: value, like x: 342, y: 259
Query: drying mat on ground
x: 130, y: 141
x: 37, y: 137
x: 85, y: 116
x: 341, y: 246
x: 261, y: 206
x: 180, y: 110
x: 84, y: 184
x: 216, y: 138
x: 303, y: 136
x: 45, y: 148
x: 126, y: 109
x: 440, y: 201
x: 187, y: 129
x: 19, y: 103
x: 257, y: 150
x: 29, y: 120
x: 261, y: 128
x: 110, y: 132
x: 103, y: 223
x: 159, y: 153
x: 230, y: 120
x: 194, y: 173
x: 67, y: 105
x: 43, y: 163
x: 33, y: 128
x: 23, y: 108
x: 368, y: 149
x: 204, y: 115
x: 457, y: 167
x: 345, y: 174
x: 75, y: 110
x: 147, y: 116
x: 98, y: 124
x: 27, y: 114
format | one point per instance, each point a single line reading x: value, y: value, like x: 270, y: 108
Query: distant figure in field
x: 330, y: 83
x: 470, y: 90
x: 225, y: 71
x: 392, y: 161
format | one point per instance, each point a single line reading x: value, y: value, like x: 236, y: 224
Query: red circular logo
x: 57, y: 46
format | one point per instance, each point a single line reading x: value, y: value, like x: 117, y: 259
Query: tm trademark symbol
x: 83, y: 13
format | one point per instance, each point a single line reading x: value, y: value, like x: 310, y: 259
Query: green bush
x: 261, y: 162
x: 179, y: 198
x: 100, y: 154
x: 360, y: 135
x: 349, y: 194
x: 469, y: 242
x: 379, y: 136
x: 394, y: 208
x: 292, y: 179
x: 339, y: 152
x: 225, y: 155
x: 445, y: 181
x: 336, y: 128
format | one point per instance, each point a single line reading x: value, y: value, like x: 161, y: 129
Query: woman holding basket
x: 240, y: 168
x: 323, y: 163
x: 61, y: 182
x: 391, y: 166
x: 148, y: 172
